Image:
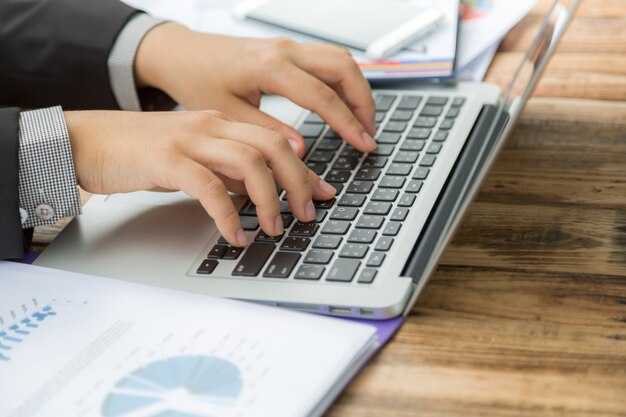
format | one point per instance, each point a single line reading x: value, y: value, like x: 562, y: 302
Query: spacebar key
x: 254, y: 258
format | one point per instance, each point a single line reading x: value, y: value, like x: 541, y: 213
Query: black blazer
x: 52, y: 52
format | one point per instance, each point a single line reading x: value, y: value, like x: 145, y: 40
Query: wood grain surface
x: 526, y: 314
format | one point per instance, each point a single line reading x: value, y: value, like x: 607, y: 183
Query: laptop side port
x: 365, y: 312
x: 340, y: 310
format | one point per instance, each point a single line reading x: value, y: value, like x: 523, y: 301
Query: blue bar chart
x: 19, y: 323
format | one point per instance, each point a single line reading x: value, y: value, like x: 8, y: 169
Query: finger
x: 234, y: 186
x: 335, y: 65
x: 248, y: 113
x: 200, y: 183
x: 287, y: 168
x: 309, y: 92
x: 243, y: 163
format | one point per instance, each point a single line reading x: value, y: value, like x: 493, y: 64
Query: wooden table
x: 526, y: 314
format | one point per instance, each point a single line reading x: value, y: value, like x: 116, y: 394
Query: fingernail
x: 242, y: 239
x: 369, y: 141
x: 295, y: 145
x: 309, y: 210
x: 278, y: 225
x: 327, y: 188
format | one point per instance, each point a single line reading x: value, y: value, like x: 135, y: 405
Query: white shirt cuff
x: 122, y: 60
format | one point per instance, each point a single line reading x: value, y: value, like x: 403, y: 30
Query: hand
x: 203, y: 154
x: 202, y: 71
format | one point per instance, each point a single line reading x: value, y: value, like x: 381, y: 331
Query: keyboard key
x: 388, y: 137
x: 321, y: 156
x: 383, y: 150
x: 248, y: 209
x: 233, y: 252
x: 382, y: 194
x: 353, y: 250
x: 328, y: 145
x: 331, y: 134
x: 207, y: 266
x: 406, y: 200
x: 419, y: 133
x: 287, y: 219
x: 350, y: 151
x: 317, y: 167
x: 326, y: 204
x: 395, y: 127
x: 437, y: 101
x: 425, y: 121
x: 217, y: 252
x: 384, y: 243
x: 434, y: 148
x: 368, y: 221
x: 346, y: 162
x: 399, y: 169
x: 344, y: 213
x: 399, y: 214
x: 440, y: 136
x: 374, y: 161
x: 367, y: 174
x: 223, y: 240
x: 414, y: 186
x: 343, y: 270
x: 327, y: 242
x: 253, y: 259
x: 380, y: 116
x: 337, y: 185
x: 297, y: 244
x: 338, y: 176
x: 301, y: 229
x: 412, y: 145
x: 428, y: 160
x: 376, y: 259
x: 406, y: 157
x: 431, y: 110
x: 402, y: 115
x: 421, y: 173
x: 264, y: 237
x: 391, y: 182
x: 384, y: 102
x: 409, y: 102
x: 335, y: 227
x: 311, y: 130
x: 392, y: 229
x: 281, y: 265
x: 249, y: 223
x: 359, y: 187
x: 352, y: 200
x: 457, y: 102
x: 453, y: 112
x: 362, y: 236
x: 308, y: 145
x: 377, y: 208
x: 320, y: 215
x: 367, y: 276
x: 313, y: 118
x: 284, y: 207
x: 446, y: 124
x: 312, y: 272
x: 316, y: 256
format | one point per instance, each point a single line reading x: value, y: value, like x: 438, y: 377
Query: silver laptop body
x: 372, y: 251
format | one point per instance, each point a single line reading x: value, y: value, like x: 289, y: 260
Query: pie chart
x: 180, y: 386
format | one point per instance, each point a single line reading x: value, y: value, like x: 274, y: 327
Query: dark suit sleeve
x: 11, y: 237
x: 55, y: 52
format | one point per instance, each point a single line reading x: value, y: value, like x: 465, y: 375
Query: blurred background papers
x: 483, y: 24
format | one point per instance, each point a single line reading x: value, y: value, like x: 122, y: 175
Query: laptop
x: 371, y: 250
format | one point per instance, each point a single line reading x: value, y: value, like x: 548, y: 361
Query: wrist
x: 155, y: 58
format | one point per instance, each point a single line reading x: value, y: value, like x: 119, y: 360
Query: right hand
x: 202, y: 153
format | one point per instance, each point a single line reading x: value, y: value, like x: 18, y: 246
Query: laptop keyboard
x: 353, y: 232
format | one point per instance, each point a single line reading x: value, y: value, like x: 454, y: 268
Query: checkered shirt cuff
x: 122, y: 59
x: 47, y: 181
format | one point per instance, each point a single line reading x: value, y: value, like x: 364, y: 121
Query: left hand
x: 203, y: 71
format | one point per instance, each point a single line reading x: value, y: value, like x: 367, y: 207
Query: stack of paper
x: 77, y: 345
x: 484, y: 23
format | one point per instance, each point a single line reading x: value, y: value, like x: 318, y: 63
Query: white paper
x: 116, y: 349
